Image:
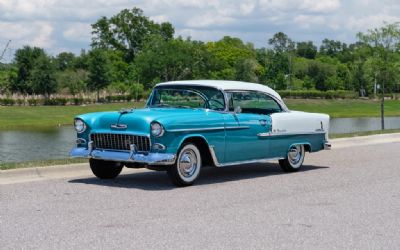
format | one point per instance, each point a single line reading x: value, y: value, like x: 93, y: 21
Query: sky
x: 59, y: 26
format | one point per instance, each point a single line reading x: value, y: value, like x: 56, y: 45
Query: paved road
x: 346, y: 198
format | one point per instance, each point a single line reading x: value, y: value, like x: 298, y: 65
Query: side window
x: 253, y: 102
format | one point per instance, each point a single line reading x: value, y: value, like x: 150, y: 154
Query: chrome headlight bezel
x: 157, y: 129
x: 79, y: 125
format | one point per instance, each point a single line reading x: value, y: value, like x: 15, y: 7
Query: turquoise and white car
x: 188, y: 125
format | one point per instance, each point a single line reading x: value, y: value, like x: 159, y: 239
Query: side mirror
x: 237, y: 110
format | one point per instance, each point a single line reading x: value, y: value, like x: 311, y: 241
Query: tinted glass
x: 187, y: 97
x: 253, y: 102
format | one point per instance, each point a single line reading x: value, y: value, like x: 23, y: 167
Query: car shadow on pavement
x: 159, y: 180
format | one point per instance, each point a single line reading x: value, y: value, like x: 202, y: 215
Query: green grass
x: 345, y: 108
x: 41, y: 163
x: 375, y: 132
x: 36, y: 117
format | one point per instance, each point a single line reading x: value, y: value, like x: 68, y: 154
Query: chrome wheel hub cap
x: 295, y: 155
x: 187, y: 163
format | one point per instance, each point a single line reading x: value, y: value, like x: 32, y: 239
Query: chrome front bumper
x: 327, y: 145
x: 124, y: 156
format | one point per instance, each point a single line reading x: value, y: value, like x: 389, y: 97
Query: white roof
x: 225, y: 85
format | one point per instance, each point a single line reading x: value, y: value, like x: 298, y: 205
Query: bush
x: 316, y: 94
x: 20, y: 102
x: 76, y: 101
x: 55, y: 102
x: 33, y: 102
x: 7, y: 102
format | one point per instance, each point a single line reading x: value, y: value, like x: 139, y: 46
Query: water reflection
x: 36, y: 145
x: 351, y: 125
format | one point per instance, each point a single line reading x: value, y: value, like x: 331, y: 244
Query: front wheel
x: 105, y: 169
x: 187, y: 166
x: 294, y: 159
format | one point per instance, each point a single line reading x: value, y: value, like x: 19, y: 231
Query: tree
x: 306, y: 50
x: 127, y: 32
x: 73, y: 81
x: 280, y: 43
x: 230, y: 56
x: 168, y: 60
x: 65, y: 60
x: 283, y: 48
x: 384, y: 42
x: 43, y: 79
x: 25, y: 61
x: 99, y: 71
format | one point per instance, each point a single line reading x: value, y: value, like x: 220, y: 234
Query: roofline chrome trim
x: 217, y: 164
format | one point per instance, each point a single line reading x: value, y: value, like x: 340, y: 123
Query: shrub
x: 7, y: 102
x: 316, y: 94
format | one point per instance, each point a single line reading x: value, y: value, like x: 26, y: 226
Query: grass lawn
x: 41, y: 163
x: 35, y: 117
x: 345, y: 108
x: 16, y: 117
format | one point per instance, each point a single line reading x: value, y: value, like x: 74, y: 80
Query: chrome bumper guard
x: 124, y: 156
x: 327, y: 145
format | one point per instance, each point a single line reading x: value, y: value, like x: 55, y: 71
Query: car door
x: 247, y: 124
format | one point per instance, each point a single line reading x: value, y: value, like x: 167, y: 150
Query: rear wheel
x: 105, y: 169
x: 187, y: 166
x: 294, y: 159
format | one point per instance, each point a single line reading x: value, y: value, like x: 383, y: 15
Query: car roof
x: 225, y: 85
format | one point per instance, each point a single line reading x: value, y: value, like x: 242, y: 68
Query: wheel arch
x: 203, y: 146
x: 307, y: 146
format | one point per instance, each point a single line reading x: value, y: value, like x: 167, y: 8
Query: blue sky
x: 65, y: 25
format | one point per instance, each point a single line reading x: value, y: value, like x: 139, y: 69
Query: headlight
x: 79, y: 125
x: 157, y: 129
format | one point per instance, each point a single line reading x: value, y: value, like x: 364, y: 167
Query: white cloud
x: 65, y: 25
x: 77, y: 31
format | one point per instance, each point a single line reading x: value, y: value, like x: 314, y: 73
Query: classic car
x: 187, y: 125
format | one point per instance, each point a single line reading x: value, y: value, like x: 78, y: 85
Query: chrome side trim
x: 208, y: 129
x: 269, y: 134
x: 237, y: 127
x: 214, y: 157
x: 196, y: 129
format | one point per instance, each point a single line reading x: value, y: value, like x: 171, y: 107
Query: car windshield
x: 187, y: 97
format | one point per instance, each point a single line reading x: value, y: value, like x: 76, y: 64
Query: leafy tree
x: 231, y: 57
x: 43, y: 79
x: 99, y: 71
x: 65, y: 60
x: 331, y: 47
x: 283, y: 48
x: 127, y: 32
x: 73, y: 81
x: 280, y: 43
x: 384, y: 43
x: 306, y: 50
x: 25, y: 60
x: 169, y: 60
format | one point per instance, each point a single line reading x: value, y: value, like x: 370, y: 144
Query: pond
x: 18, y: 146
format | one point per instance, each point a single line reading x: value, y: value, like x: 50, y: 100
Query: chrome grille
x: 120, y: 141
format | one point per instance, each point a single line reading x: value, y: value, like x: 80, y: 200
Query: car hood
x: 138, y: 120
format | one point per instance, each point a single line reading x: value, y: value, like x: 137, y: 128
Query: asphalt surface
x: 346, y: 198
